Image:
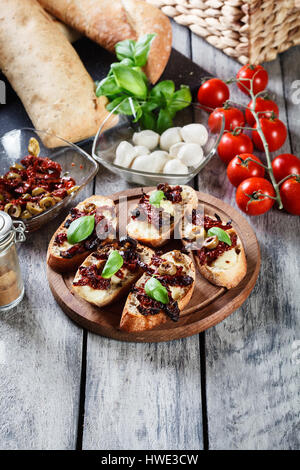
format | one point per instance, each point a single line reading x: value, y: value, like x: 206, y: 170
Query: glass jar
x: 11, y: 284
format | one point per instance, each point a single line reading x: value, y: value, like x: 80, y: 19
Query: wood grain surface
x: 235, y: 386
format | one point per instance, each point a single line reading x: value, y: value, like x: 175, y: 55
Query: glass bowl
x: 122, y: 127
x: 75, y: 162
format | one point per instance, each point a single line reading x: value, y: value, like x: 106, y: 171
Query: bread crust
x: 135, y: 323
x: 108, y: 22
x: 230, y: 278
x: 118, y: 292
x: 47, y: 74
x: 60, y: 264
x: 191, y: 202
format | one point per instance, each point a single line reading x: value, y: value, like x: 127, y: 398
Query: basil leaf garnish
x: 130, y: 80
x: 221, y: 234
x: 113, y: 264
x: 80, y: 229
x: 156, y: 290
x: 156, y: 197
x: 142, y: 49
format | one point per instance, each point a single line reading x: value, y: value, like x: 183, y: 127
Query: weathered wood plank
x: 251, y: 377
x: 40, y: 360
x: 142, y: 396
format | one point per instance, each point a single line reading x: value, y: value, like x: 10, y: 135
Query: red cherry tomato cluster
x: 255, y: 194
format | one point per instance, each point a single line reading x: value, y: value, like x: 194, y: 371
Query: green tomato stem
x: 264, y: 141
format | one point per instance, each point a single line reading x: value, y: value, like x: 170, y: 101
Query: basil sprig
x: 80, y: 229
x: 154, y: 108
x: 113, y: 264
x: 156, y: 290
x: 156, y: 197
x: 221, y: 234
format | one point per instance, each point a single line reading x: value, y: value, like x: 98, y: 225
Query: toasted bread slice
x: 58, y: 256
x: 227, y: 269
x: 100, y: 291
x: 140, y: 316
x: 148, y: 232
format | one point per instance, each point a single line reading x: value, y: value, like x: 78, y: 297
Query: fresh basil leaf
x: 80, y: 229
x: 113, y: 264
x: 156, y: 290
x: 130, y: 80
x: 181, y: 99
x: 165, y: 88
x: 148, y: 120
x: 108, y: 86
x: 142, y: 49
x: 164, y: 121
x: 128, y: 62
x: 149, y: 105
x: 112, y: 104
x: 125, y: 49
x: 220, y: 233
x: 156, y: 197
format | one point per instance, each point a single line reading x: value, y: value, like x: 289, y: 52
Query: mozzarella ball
x: 152, y: 163
x: 170, y: 137
x: 146, y: 138
x: 140, y: 150
x: 175, y: 149
x: 124, y: 154
x: 191, y: 154
x: 175, y: 167
x: 195, y: 133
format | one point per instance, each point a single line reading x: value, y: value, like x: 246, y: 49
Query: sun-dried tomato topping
x: 37, y: 172
x: 177, y: 279
x: 148, y: 306
x: 60, y: 238
x: 207, y: 256
x: 172, y: 193
x: 208, y: 222
x: 153, y: 215
x: 91, y: 276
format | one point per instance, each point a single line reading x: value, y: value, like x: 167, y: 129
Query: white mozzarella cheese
x: 195, y: 133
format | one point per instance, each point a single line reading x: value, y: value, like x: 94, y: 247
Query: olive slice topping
x: 167, y: 268
x: 211, y: 242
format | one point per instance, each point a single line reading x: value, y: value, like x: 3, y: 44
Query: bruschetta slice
x: 176, y: 273
x: 153, y: 222
x: 220, y: 262
x: 97, y: 290
x: 64, y: 257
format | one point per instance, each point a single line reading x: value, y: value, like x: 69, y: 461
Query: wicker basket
x: 251, y: 31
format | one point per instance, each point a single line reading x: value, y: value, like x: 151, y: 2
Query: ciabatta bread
x: 108, y: 22
x: 222, y: 265
x: 47, y: 74
x: 59, y: 256
x: 141, y: 312
x: 145, y: 227
x: 89, y: 285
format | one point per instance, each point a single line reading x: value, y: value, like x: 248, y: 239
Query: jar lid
x: 6, y: 224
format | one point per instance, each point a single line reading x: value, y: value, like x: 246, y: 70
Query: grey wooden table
x: 236, y: 386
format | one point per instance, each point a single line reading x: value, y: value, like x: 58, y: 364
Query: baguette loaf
x: 47, y: 74
x: 57, y: 257
x: 108, y: 22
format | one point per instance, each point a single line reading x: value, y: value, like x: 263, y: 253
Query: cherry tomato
x: 290, y: 195
x: 238, y: 171
x: 284, y: 165
x: 232, y: 144
x: 255, y: 72
x: 234, y: 117
x: 213, y: 94
x: 274, y: 131
x: 249, y: 196
x: 264, y: 106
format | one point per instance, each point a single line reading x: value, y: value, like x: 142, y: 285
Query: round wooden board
x: 208, y: 306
